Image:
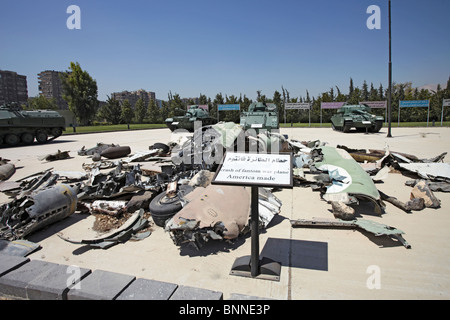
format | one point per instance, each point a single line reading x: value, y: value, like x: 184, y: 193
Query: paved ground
x: 316, y: 263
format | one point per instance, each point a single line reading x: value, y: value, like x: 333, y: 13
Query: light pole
x: 389, y: 135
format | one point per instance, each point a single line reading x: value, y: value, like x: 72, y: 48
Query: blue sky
x: 233, y: 47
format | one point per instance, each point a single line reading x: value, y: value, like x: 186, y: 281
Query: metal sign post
x: 299, y: 106
x: 227, y: 107
x: 255, y: 170
x: 445, y: 103
x: 414, y: 104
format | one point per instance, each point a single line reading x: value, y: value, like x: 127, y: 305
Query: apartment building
x: 134, y: 96
x: 50, y: 86
x: 13, y: 88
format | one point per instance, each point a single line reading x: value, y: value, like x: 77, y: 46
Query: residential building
x: 13, y: 88
x: 134, y: 96
x: 50, y: 86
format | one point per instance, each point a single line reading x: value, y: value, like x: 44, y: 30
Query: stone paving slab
x: 100, y: 285
x: 192, y: 293
x: 54, y: 285
x: 15, y: 283
x: 9, y: 263
x: 145, y: 289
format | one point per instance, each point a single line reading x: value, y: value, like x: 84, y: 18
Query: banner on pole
x: 229, y: 107
x: 375, y: 104
x: 297, y: 106
x: 414, y: 104
x: 331, y: 105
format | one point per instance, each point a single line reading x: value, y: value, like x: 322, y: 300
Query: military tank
x: 194, y: 113
x: 358, y: 117
x: 260, y: 115
x: 18, y: 126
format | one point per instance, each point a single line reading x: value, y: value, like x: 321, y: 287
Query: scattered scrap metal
x: 171, y: 183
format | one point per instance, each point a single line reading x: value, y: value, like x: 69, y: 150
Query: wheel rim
x: 12, y: 139
x: 27, y: 138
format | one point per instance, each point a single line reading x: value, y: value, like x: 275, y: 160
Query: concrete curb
x: 40, y: 280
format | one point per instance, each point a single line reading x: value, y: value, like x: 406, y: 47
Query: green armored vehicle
x: 356, y: 116
x: 194, y: 113
x: 24, y: 126
x: 260, y: 115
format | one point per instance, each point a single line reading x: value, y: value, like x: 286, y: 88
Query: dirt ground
x: 316, y: 263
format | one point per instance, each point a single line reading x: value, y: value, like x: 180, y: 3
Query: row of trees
x: 81, y: 95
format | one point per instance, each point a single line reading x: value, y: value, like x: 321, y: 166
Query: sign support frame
x: 251, y: 266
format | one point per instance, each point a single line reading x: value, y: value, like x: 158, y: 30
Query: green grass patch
x: 144, y: 126
x: 111, y: 128
x: 393, y: 124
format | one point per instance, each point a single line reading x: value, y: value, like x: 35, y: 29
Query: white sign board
x: 297, y: 106
x: 255, y: 169
x: 446, y: 103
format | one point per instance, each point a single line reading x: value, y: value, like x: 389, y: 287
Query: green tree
x: 140, y: 111
x: 126, y: 113
x: 80, y: 91
x: 153, y: 112
x: 42, y: 103
x: 111, y: 111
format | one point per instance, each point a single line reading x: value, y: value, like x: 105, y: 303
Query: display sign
x: 297, y: 106
x: 255, y: 169
x: 446, y: 103
x: 229, y: 107
x: 415, y: 104
x: 331, y: 105
x: 375, y: 104
x: 201, y: 106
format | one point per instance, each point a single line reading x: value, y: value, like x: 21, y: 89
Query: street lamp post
x: 389, y: 135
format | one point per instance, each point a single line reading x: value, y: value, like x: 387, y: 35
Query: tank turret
x: 194, y: 113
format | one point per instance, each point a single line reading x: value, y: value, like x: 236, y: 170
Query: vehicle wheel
x: 56, y: 132
x: 346, y: 128
x: 162, y: 146
x: 12, y: 139
x: 163, y: 208
x: 333, y: 127
x: 27, y: 138
x: 41, y: 137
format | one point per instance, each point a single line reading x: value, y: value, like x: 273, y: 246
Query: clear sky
x: 229, y: 46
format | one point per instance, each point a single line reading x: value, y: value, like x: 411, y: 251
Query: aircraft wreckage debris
x: 170, y: 186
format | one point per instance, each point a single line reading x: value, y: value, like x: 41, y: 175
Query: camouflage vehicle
x: 24, y: 126
x: 356, y: 116
x: 260, y: 115
x: 194, y: 113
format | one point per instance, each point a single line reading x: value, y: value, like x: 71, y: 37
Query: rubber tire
x: 162, y: 210
x: 41, y: 137
x: 27, y: 138
x: 346, y: 129
x: 162, y: 146
x: 56, y: 132
x: 12, y: 139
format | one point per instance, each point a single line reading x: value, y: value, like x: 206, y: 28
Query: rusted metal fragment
x: 130, y: 230
x: 6, y: 171
x: 342, y: 211
x: 375, y: 228
x: 421, y: 190
x: 59, y: 155
x: 25, y: 215
x: 116, y: 152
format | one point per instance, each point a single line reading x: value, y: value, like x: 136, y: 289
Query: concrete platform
x: 324, y: 264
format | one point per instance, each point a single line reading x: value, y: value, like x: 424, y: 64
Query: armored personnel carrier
x: 194, y: 113
x: 356, y: 116
x: 260, y: 115
x: 18, y: 126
